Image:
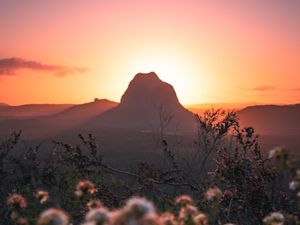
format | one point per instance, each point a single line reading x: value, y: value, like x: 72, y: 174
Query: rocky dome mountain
x: 147, y: 90
x: 148, y: 104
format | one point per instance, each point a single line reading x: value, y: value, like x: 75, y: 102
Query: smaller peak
x: 101, y: 100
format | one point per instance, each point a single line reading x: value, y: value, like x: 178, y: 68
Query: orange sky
x: 210, y: 51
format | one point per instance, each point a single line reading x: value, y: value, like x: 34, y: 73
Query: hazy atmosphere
x: 149, y: 112
x: 210, y: 51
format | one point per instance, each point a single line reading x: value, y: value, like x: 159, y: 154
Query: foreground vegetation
x: 226, y: 175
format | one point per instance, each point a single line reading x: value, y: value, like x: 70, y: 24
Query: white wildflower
x: 54, y: 217
x: 188, y: 211
x: 201, y: 219
x: 140, y: 206
x: 275, y: 152
x: 85, y: 187
x: 213, y: 194
x: 137, y: 211
x: 42, y: 196
x: 184, y: 200
x: 274, y: 218
x: 98, y: 216
x: 167, y: 219
x: 294, y: 185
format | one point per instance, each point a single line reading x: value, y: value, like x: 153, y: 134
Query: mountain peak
x: 102, y: 100
x: 148, y: 89
x: 146, y: 76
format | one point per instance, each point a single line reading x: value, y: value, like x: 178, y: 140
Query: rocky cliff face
x: 149, y: 91
x: 148, y: 104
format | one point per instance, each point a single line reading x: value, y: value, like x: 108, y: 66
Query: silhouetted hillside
x: 31, y: 110
x: 85, y: 111
x: 201, y: 108
x: 272, y: 119
x: 148, y: 104
x: 45, y: 126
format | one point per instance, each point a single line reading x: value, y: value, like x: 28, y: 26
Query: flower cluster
x: 94, y: 204
x: 135, y: 211
x: 189, y: 213
x: 16, y: 201
x: 184, y: 200
x: 280, y: 154
x: 42, y: 196
x: 213, y: 194
x: 54, y: 217
x: 98, y: 216
x: 85, y: 188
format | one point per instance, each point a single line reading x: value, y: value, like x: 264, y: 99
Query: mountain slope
x: 83, y: 112
x: 148, y: 104
x: 46, y: 126
x: 31, y: 110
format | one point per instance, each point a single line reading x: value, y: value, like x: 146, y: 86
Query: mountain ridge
x: 272, y: 119
x: 148, y: 105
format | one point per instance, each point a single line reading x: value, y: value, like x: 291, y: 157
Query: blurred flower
x: 85, y: 187
x: 274, y: 218
x: 275, y: 152
x: 201, y: 219
x: 137, y: 211
x: 213, y: 194
x: 87, y: 223
x: 98, y: 216
x: 114, y: 216
x: 42, y: 196
x: 211, y: 174
x: 188, y: 211
x: 167, y: 219
x: 54, y: 217
x: 140, y: 206
x: 22, y: 221
x: 294, y: 185
x: 16, y: 201
x: 184, y: 200
x: 15, y: 215
x: 93, y: 204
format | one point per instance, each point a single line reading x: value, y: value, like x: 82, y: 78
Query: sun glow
x: 169, y: 68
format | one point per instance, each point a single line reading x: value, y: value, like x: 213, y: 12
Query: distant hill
x: 80, y: 113
x: 46, y: 126
x: 31, y: 110
x: 148, y: 104
x: 272, y: 119
x: 201, y: 108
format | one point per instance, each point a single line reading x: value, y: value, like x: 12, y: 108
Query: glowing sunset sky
x: 71, y: 51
